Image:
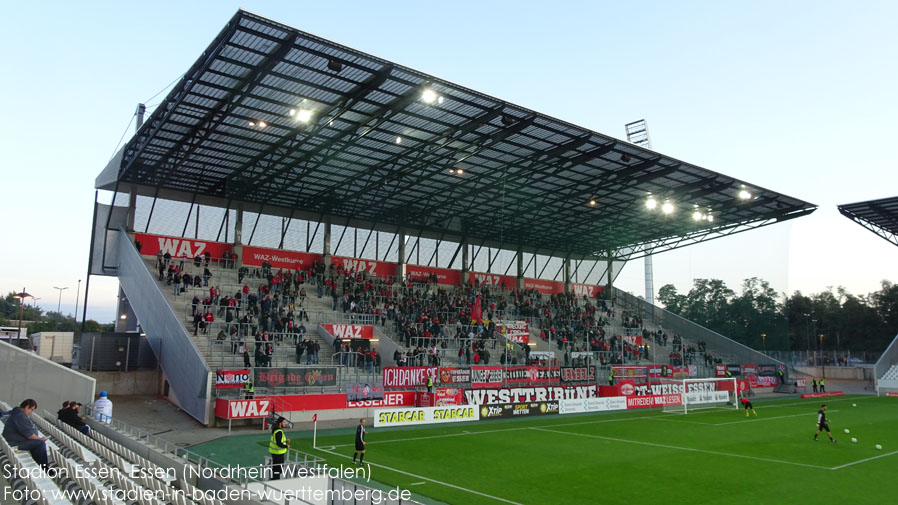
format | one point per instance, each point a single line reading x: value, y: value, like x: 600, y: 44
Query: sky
x: 799, y: 97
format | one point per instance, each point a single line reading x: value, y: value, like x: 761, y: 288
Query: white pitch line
x: 863, y: 461
x: 691, y: 449
x: 756, y: 419
x: 453, y: 486
x: 417, y: 483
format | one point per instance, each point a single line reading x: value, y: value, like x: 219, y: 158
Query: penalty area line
x: 846, y: 465
x: 690, y: 449
x: 453, y: 486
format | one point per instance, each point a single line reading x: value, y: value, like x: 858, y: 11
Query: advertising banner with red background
x: 640, y: 402
x: 455, y: 375
x: 632, y: 339
x: 444, y: 275
x: 279, y: 258
x: 349, y: 331
x: 331, y: 401
x: 440, y: 397
x: 180, y: 247
x: 372, y: 267
x: 231, y: 378
x: 409, y: 376
x: 242, y: 409
x: 486, y: 376
x: 720, y: 370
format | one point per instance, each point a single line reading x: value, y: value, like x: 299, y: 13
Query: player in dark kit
x: 748, y: 406
x: 822, y: 425
x: 359, y: 442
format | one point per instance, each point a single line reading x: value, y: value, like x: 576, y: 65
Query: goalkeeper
x: 822, y: 424
x: 748, y: 406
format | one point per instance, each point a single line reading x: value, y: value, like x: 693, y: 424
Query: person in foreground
x: 20, y: 432
x: 822, y: 425
x: 277, y: 447
x: 360, y: 442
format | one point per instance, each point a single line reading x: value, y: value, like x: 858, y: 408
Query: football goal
x: 697, y: 394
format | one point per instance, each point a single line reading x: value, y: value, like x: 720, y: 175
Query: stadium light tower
x: 21, y: 296
x: 58, y: 306
x: 638, y: 134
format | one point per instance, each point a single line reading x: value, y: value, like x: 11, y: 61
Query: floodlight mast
x: 638, y: 134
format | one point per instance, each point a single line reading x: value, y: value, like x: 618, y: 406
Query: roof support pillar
x: 132, y: 207
x: 238, y: 226
x: 400, y: 265
x: 610, y: 276
x: 465, y: 249
x: 567, y: 275
x: 519, y: 284
x: 326, y: 251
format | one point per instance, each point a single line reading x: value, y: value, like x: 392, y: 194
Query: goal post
x: 695, y: 394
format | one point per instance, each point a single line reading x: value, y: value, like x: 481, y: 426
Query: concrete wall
x: 837, y: 372
x: 137, y: 382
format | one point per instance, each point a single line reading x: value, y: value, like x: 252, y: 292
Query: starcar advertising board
x: 509, y: 410
x: 425, y: 415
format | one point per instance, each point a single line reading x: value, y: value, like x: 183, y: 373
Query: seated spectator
x: 72, y: 417
x: 20, y: 432
x: 65, y: 405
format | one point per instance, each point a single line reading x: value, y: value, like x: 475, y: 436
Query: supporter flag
x: 477, y: 311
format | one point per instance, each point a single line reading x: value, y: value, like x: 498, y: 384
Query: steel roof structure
x: 279, y: 121
x: 879, y: 216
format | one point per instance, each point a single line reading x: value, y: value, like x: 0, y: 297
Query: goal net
x: 697, y: 394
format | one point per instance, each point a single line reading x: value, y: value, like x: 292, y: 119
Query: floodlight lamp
x: 334, y: 65
x: 667, y: 208
x: 398, y: 140
x: 262, y: 124
x: 592, y: 203
x: 123, y: 316
x: 304, y: 115
x: 439, y: 99
x: 651, y: 203
x: 292, y: 112
x: 697, y: 216
x: 459, y: 171
x: 710, y: 218
x: 252, y: 123
x: 429, y: 96
x: 744, y: 195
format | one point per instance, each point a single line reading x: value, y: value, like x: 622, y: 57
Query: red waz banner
x: 372, y: 267
x: 349, y: 331
x: 278, y: 258
x: 242, y: 409
x: 180, y: 247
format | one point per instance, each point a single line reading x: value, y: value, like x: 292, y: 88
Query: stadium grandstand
x: 289, y: 187
x: 881, y: 217
x: 301, y: 229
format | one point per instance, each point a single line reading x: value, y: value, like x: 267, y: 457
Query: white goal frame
x: 700, y: 398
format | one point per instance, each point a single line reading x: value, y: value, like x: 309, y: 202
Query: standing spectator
x: 195, y: 304
x: 177, y: 284
x: 277, y: 447
x: 206, y: 276
x: 20, y: 432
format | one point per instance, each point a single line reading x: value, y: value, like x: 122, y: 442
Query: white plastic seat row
x: 87, y: 483
x: 201, y: 498
x: 34, y: 479
x: 79, y: 450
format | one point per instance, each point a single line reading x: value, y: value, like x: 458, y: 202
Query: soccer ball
x: 853, y: 440
x: 854, y: 405
x: 846, y: 430
x: 878, y: 447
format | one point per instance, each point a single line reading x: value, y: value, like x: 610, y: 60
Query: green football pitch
x: 641, y: 457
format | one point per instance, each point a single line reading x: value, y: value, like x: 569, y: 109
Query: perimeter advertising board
x: 510, y: 410
x: 584, y: 405
x: 180, y: 247
x: 425, y: 415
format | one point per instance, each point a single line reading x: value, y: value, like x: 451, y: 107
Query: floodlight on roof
x: 697, y: 216
x: 304, y: 115
x: 667, y: 208
x: 710, y: 218
x: 507, y: 120
x: 625, y: 158
x: 334, y: 65
x: 262, y: 124
x: 429, y: 96
x: 252, y: 123
x: 744, y: 194
x: 398, y: 140
x: 651, y: 203
x: 459, y: 171
x: 440, y: 99
x: 592, y: 203
x: 292, y: 112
